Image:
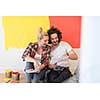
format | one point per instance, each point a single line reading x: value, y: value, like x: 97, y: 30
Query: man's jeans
x: 59, y: 76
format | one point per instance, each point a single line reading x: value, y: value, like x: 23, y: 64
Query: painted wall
x: 17, y: 31
x: 90, y: 50
x: 70, y: 27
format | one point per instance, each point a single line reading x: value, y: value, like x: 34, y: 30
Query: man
x: 60, y: 53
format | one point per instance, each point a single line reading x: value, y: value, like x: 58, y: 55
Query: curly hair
x: 53, y: 30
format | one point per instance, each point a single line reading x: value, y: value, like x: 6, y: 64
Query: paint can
x: 7, y: 80
x: 8, y: 73
x: 15, y: 76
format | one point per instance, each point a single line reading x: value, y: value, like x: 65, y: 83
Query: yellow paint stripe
x: 20, y: 30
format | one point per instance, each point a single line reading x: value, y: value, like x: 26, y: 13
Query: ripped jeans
x: 30, y: 77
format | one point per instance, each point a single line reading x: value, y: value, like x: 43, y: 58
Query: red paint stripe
x: 70, y: 27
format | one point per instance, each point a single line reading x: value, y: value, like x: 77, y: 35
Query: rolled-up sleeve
x: 46, y: 56
x: 27, y: 51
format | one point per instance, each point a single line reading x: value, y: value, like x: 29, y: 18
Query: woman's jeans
x: 30, y: 77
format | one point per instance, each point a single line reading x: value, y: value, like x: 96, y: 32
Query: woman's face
x: 44, y: 41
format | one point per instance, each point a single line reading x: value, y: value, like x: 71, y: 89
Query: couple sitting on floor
x: 47, y: 59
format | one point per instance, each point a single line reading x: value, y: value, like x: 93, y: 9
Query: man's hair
x: 53, y: 30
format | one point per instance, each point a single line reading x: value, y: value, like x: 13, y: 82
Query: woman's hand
x: 35, y: 64
x: 42, y: 66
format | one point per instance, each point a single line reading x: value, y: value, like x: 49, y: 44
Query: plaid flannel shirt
x: 32, y: 49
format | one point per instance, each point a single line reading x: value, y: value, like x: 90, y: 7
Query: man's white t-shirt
x: 59, y: 55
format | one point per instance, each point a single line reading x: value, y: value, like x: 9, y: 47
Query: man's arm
x: 72, y: 55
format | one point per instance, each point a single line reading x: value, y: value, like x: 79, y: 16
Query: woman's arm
x: 29, y: 59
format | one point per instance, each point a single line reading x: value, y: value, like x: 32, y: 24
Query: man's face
x: 54, y: 39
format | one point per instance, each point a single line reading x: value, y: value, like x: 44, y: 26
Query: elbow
x: 73, y: 57
x: 76, y: 57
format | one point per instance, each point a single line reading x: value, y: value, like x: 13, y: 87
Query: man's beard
x: 55, y: 43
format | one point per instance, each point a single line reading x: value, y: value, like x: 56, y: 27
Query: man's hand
x: 72, y: 55
x: 52, y: 65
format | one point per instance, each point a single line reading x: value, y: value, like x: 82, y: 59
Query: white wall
x: 90, y: 50
x: 1, y: 36
x: 11, y: 58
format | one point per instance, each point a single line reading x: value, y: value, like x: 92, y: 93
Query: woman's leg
x: 35, y: 78
x: 29, y: 76
x: 42, y: 75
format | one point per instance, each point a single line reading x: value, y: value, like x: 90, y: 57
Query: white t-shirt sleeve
x: 68, y: 47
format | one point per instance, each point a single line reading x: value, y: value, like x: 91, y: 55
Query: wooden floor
x: 22, y: 78
x: 73, y: 79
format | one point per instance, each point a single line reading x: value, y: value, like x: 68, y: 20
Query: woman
x: 36, y: 56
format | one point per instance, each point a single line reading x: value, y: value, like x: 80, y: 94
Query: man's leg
x: 65, y: 74
x: 52, y: 75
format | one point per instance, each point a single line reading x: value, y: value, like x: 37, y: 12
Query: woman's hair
x: 41, y: 34
x: 53, y: 30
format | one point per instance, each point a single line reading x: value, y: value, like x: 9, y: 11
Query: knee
x: 29, y: 65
